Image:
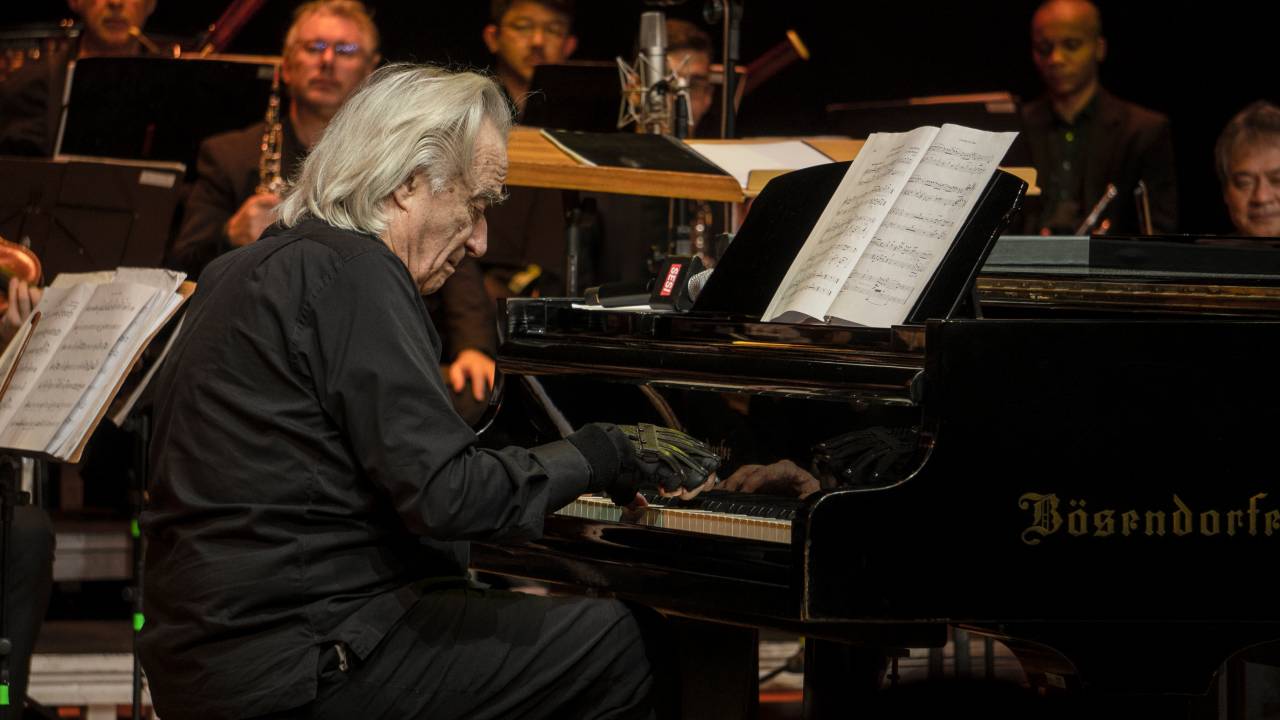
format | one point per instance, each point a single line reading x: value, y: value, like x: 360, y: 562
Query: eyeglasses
x: 340, y: 49
x: 527, y: 28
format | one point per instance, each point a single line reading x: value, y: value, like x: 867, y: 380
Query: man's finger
x: 457, y: 378
x: 479, y: 383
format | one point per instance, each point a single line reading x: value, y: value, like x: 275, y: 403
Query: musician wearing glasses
x: 525, y: 33
x: 330, y: 48
x: 313, y: 489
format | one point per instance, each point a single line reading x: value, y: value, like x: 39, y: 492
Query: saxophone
x: 270, y: 178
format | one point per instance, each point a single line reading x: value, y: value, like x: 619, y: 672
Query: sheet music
x: 96, y: 393
x: 59, y: 307
x: 860, y: 204
x: 740, y: 158
x: 60, y: 389
x: 920, y: 227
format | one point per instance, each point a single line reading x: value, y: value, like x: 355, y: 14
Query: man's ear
x: 490, y: 36
x: 570, y: 44
x: 150, y: 8
x: 404, y: 191
x: 77, y: 6
x: 1101, y: 53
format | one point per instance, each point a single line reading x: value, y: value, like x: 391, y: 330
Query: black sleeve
x: 212, y: 202
x: 365, y: 342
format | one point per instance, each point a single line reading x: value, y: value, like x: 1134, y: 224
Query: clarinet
x: 270, y: 178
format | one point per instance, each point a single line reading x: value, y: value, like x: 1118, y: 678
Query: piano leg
x: 718, y: 668
x: 840, y: 680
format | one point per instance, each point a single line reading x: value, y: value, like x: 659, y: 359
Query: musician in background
x: 1248, y: 161
x: 1082, y: 137
x: 329, y: 49
x: 526, y: 233
x: 523, y: 34
x: 313, y: 484
x: 31, y: 99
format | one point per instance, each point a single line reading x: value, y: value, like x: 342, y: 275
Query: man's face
x: 108, y: 21
x: 1253, y: 187
x: 528, y: 35
x: 695, y: 67
x: 431, y: 232
x: 1066, y: 46
x: 328, y: 58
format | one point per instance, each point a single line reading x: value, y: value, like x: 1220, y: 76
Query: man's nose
x: 1265, y: 191
x: 478, y: 243
x: 539, y: 38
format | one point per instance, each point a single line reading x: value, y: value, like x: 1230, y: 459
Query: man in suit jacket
x: 1083, y: 138
x: 330, y: 48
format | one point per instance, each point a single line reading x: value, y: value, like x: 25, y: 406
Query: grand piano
x: 1086, y: 473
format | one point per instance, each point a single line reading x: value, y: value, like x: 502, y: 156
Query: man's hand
x: 680, y: 465
x: 254, y: 216
x: 782, y: 477
x: 474, y: 367
x: 22, y: 300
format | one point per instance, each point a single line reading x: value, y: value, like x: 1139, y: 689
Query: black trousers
x: 464, y: 652
x: 30, y: 579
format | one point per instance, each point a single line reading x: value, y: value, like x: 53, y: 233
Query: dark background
x: 1197, y: 61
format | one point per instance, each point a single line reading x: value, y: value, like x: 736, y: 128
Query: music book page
x: 740, y: 158
x: 90, y: 333
x: 888, y: 226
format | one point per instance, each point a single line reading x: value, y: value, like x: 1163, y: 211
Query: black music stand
x: 581, y: 95
x: 160, y: 108
x: 993, y: 112
x: 784, y: 214
x: 87, y: 214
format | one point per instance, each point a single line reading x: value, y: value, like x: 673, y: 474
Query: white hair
x: 403, y: 120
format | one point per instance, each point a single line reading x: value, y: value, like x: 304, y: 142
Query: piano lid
x: 1164, y: 274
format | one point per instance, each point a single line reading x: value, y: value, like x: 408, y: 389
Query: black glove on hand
x: 864, y: 457
x: 670, y: 458
x: 642, y: 455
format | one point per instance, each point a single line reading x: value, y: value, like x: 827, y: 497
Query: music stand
x: 784, y: 214
x: 87, y: 214
x: 993, y: 112
x: 160, y: 108
x: 580, y: 95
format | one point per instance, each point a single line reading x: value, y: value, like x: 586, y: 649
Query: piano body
x: 1091, y: 481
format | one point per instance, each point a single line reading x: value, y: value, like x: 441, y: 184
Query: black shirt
x: 1064, y: 202
x: 304, y: 442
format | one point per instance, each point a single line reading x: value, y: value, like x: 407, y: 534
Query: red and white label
x: 669, y: 284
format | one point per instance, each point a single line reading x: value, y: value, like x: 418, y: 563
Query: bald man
x: 1083, y: 138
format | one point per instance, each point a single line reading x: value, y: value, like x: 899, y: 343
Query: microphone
x: 646, y: 86
x: 653, y: 70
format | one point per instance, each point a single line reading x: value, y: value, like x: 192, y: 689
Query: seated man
x: 330, y: 48
x: 312, y: 484
x: 1083, y: 138
x: 1248, y: 161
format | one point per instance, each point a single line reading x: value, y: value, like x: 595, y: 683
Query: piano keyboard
x: 711, y: 515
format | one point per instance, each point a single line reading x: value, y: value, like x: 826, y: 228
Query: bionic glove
x: 672, y: 459
x: 625, y: 458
